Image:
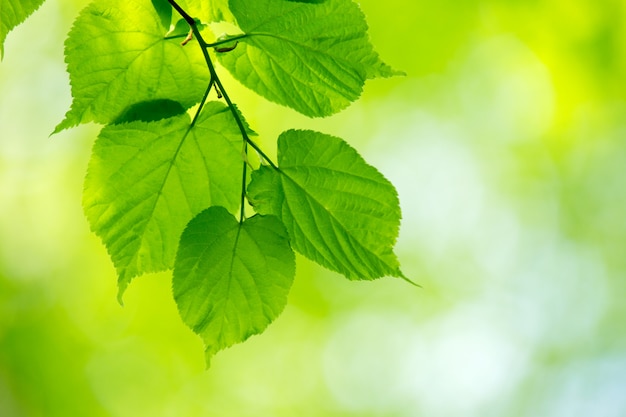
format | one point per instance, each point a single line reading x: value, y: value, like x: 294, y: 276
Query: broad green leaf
x: 12, y: 13
x: 339, y: 211
x: 146, y: 180
x: 311, y: 56
x: 117, y: 55
x: 231, y: 279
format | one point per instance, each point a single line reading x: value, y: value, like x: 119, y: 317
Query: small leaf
x: 339, y: 211
x: 231, y: 279
x: 12, y: 13
x: 117, y: 55
x: 145, y: 181
x: 311, y: 56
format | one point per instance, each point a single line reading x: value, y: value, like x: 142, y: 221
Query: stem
x: 217, y: 83
x: 206, y: 95
x: 237, y: 117
x: 183, y: 13
x: 242, y: 213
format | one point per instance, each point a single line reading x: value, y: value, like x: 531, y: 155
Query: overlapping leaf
x: 311, y: 56
x: 160, y: 190
x: 117, y: 55
x: 231, y: 279
x: 12, y: 13
x: 338, y: 210
x: 146, y: 180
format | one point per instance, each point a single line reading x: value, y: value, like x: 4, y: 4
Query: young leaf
x: 117, y: 55
x: 311, y: 56
x: 231, y: 279
x: 12, y: 13
x: 338, y: 210
x: 145, y: 181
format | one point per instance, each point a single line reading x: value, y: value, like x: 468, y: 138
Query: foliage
x: 170, y: 177
x: 317, y: 68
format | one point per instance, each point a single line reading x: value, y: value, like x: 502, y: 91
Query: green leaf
x: 117, y: 55
x: 311, y: 56
x: 231, y: 279
x: 339, y: 211
x: 146, y: 180
x: 12, y: 13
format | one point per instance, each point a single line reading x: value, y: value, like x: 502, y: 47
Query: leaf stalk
x: 216, y: 83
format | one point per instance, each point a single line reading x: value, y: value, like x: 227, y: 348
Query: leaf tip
x: 121, y: 289
x: 386, y: 71
x: 208, y: 355
x: 397, y: 73
x: 67, y: 123
x: 405, y: 278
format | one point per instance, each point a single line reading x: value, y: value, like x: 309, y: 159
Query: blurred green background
x: 506, y: 141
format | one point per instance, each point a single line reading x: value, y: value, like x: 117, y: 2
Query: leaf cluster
x: 170, y: 175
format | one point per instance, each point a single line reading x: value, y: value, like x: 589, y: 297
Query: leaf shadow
x: 150, y: 111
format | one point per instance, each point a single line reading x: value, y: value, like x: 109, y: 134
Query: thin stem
x: 260, y: 152
x: 217, y: 83
x: 183, y: 13
x: 242, y: 213
x: 204, y: 98
x: 239, y: 121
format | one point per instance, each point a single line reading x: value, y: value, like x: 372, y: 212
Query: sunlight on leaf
x: 116, y: 56
x: 317, y: 68
x: 231, y: 279
x: 339, y: 211
x: 145, y: 181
